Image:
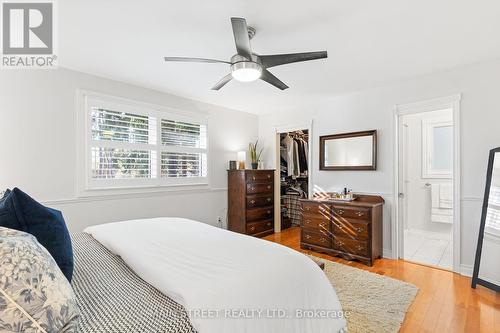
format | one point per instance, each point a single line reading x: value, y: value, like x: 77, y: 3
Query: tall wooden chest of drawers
x: 251, y: 202
x: 352, y: 230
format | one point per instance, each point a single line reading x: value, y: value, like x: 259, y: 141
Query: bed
x: 112, y: 298
x: 178, y: 275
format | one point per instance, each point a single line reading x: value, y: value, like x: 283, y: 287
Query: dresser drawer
x: 350, y: 228
x: 259, y: 201
x: 320, y: 223
x: 316, y: 209
x: 351, y: 246
x: 260, y: 213
x: 359, y: 213
x: 254, y: 188
x: 259, y: 226
x: 319, y: 238
x: 259, y: 176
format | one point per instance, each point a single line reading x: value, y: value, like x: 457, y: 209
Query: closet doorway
x: 427, y: 186
x: 293, y: 175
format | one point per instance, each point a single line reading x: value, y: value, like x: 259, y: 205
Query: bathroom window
x: 437, y: 148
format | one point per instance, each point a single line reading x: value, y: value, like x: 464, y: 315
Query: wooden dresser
x: 251, y: 202
x: 352, y: 230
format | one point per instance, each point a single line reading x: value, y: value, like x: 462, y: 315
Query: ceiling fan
x: 247, y: 66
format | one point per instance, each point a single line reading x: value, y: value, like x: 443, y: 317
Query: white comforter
x: 227, y: 282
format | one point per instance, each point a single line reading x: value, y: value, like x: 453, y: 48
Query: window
x: 129, y: 144
x: 437, y: 148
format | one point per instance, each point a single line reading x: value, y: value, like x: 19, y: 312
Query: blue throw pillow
x: 21, y: 212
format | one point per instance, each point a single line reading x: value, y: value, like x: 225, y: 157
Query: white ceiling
x: 369, y: 43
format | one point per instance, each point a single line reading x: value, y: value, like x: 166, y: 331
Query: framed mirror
x: 486, y: 268
x: 348, y: 151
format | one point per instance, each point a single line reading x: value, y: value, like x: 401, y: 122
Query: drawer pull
x: 268, y: 187
x: 307, y: 208
x: 268, y: 199
x: 308, y: 236
x: 359, y: 230
x: 268, y: 212
x: 253, y: 188
x: 252, y: 228
x: 360, y: 248
x: 252, y: 202
x: 339, y: 243
x: 360, y: 214
x: 340, y: 226
x: 253, y: 178
x: 308, y: 221
x: 268, y: 176
x: 323, y: 240
x: 341, y: 212
x: 268, y: 224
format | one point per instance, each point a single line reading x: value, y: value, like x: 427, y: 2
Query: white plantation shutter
x: 130, y: 145
x: 117, y: 126
x: 182, y: 134
x: 184, y: 154
x: 179, y: 165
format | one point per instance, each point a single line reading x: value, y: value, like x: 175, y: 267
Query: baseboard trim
x: 387, y: 253
x: 466, y: 270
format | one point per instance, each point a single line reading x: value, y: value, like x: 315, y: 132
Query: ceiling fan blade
x: 186, y: 59
x: 240, y: 32
x: 222, y: 82
x: 271, y: 79
x: 282, y: 59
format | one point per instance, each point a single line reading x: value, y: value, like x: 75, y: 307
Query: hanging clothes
x: 288, y: 153
x: 296, y: 159
x: 302, y: 155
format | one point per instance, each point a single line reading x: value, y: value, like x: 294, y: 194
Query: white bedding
x: 228, y: 282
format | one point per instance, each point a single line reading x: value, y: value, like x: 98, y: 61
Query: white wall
x: 38, y: 148
x: 417, y: 194
x: 373, y: 109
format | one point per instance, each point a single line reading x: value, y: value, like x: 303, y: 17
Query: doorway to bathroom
x: 426, y: 203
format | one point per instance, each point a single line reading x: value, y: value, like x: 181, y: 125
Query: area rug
x: 372, y: 302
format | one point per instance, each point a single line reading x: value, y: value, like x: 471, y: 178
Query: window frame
x: 91, y: 186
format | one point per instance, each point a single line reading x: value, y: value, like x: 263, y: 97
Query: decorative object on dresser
x: 352, y: 230
x: 348, y: 151
x: 251, y: 202
x: 255, y: 154
x: 242, y: 158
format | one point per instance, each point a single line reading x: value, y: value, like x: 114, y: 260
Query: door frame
x: 277, y: 174
x: 448, y: 102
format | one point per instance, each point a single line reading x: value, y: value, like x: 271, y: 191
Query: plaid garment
x: 292, y: 204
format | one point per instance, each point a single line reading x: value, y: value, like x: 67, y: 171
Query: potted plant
x: 255, y: 154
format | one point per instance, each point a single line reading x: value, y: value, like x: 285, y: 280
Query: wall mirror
x: 486, y: 267
x: 349, y: 151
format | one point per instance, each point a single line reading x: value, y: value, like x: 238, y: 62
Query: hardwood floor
x: 445, y: 301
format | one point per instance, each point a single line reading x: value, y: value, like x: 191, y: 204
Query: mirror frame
x: 475, y: 275
x: 324, y: 138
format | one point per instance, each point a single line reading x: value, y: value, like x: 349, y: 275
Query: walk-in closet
x: 294, y: 175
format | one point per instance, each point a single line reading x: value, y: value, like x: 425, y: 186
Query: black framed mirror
x: 348, y: 151
x: 486, y: 268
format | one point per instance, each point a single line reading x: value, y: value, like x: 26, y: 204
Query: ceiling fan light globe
x: 246, y: 71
